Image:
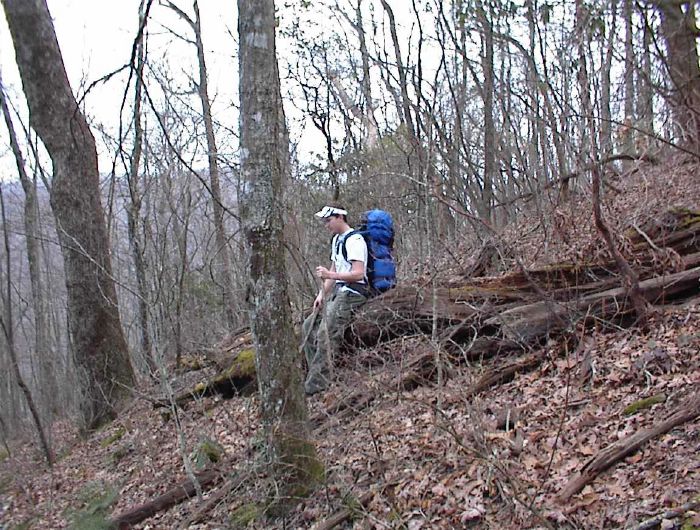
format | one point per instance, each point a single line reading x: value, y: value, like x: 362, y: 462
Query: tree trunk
x: 372, y: 132
x: 630, y: 278
x: 222, y: 257
x: 678, y: 30
x: 42, y: 345
x: 487, y: 196
x: 98, y: 343
x: 645, y: 94
x: 284, y: 412
x: 606, y: 144
x: 133, y: 215
x: 628, y: 134
x: 7, y: 324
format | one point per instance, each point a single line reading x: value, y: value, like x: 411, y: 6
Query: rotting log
x: 627, y: 446
x: 182, y: 492
x: 235, y: 380
x: 478, y: 321
x: 529, y: 322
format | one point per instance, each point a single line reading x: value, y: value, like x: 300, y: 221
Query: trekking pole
x: 314, y: 316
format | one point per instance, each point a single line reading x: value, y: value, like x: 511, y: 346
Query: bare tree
x: 133, y: 210
x: 42, y: 344
x: 263, y: 161
x: 222, y: 258
x: 630, y: 279
x: 8, y: 327
x: 678, y: 28
x: 98, y: 342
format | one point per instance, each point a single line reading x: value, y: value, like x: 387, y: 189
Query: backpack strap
x: 342, y: 243
x: 334, y: 248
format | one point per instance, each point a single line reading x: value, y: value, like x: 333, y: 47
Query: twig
x: 210, y: 503
x: 343, y: 515
x: 646, y: 237
x: 314, y: 316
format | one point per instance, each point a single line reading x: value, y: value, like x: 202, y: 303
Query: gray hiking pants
x: 325, y: 335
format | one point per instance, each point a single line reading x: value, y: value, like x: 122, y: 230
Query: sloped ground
x: 430, y: 458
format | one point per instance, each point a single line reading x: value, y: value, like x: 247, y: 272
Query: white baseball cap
x: 327, y: 211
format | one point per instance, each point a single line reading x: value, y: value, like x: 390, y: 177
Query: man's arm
x: 356, y: 273
x: 326, y: 287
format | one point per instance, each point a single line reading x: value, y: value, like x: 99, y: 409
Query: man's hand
x: 318, y: 302
x: 324, y: 273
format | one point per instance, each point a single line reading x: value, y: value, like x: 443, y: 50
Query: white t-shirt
x: 356, y: 251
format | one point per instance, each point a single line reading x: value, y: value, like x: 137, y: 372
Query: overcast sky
x: 96, y: 37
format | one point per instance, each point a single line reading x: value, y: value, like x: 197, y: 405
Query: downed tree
x: 625, y: 447
x: 238, y: 378
x: 186, y: 490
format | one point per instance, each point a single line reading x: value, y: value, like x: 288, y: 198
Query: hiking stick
x: 305, y: 339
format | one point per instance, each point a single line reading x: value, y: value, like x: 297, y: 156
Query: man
x: 345, y: 288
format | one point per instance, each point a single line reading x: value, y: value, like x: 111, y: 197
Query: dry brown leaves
x: 432, y: 458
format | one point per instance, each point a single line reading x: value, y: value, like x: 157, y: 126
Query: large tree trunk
x: 284, y: 412
x: 93, y: 313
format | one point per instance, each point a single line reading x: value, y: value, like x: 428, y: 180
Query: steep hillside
x: 594, y: 428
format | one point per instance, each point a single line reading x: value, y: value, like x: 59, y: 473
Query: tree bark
x: 683, y: 69
x: 263, y: 162
x: 98, y: 342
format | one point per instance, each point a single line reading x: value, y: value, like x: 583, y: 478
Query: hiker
x: 345, y: 289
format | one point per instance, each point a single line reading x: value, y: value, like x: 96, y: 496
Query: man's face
x: 333, y: 224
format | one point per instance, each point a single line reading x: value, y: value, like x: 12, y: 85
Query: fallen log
x: 480, y: 318
x: 627, y: 446
x: 529, y: 322
x: 182, y: 492
x: 238, y: 379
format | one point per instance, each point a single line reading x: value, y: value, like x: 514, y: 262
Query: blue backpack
x: 377, y: 228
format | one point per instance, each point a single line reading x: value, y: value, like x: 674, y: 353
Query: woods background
x: 455, y: 116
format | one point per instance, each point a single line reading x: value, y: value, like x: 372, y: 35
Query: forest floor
x: 428, y: 457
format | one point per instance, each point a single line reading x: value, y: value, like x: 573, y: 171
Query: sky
x: 96, y: 38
